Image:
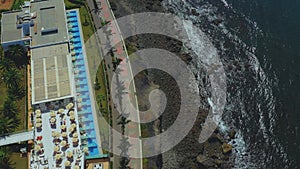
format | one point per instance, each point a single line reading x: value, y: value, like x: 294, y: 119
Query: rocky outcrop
x: 189, y: 153
x: 227, y: 148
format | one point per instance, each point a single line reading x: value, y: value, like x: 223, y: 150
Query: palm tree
x: 12, y: 78
x: 17, y: 91
x: 9, y: 108
x: 97, y: 84
x: 7, y: 124
x: 17, y: 53
x: 6, y: 163
x: 6, y: 64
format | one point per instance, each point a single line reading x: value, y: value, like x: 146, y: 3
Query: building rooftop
x: 50, y: 23
x: 10, y: 31
x: 51, y: 73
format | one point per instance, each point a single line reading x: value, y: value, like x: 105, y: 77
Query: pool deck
x: 45, y: 156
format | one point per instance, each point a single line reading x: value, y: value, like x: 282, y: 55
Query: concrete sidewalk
x: 16, y: 138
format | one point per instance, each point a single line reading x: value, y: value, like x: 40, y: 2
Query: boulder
x: 226, y: 148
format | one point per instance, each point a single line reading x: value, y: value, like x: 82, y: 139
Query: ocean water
x: 258, y: 43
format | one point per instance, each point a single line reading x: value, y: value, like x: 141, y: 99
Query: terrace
x: 57, y: 142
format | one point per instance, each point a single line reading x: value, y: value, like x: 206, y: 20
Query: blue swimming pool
x: 85, y: 113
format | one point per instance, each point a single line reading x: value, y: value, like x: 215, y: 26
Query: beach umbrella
x: 38, y: 125
x: 86, y: 150
x: 63, y: 143
x: 52, y: 120
x: 61, y: 110
x: 37, y: 148
x: 76, y: 167
x: 71, y: 129
x: 79, y: 105
x: 52, y: 113
x: 56, y: 148
x: 73, y: 125
x: 71, y: 113
x: 64, y: 134
x: 67, y: 163
x: 70, y: 105
x: 55, y: 134
x: 38, y: 111
x: 63, y: 127
x: 57, y: 156
x: 69, y: 154
x: 72, y: 117
x: 79, y: 100
x: 75, y: 135
x: 38, y: 120
x: 75, y: 140
x: 38, y: 115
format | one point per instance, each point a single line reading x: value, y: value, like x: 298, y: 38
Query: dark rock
x: 215, y: 138
x: 204, y: 160
x: 194, y: 12
x: 217, y: 21
x: 232, y: 134
x: 227, y: 148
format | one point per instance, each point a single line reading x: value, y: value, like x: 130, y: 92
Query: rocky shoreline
x: 189, y: 153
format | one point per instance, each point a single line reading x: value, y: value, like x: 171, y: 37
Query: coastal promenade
x: 132, y: 129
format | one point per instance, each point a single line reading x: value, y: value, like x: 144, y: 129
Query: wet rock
x: 216, y: 138
x: 194, y: 12
x: 232, y: 134
x: 204, y: 160
x: 227, y: 148
x: 217, y: 21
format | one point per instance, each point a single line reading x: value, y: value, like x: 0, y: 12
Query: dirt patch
x: 6, y: 4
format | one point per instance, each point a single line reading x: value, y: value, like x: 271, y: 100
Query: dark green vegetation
x: 12, y: 67
x: 13, y: 64
x: 17, y: 4
x: 100, y: 92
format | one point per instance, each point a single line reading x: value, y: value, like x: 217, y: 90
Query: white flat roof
x: 51, y: 70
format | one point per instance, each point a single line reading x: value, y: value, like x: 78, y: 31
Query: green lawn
x: 19, y: 162
x: 101, y: 99
x: 70, y: 5
x: 101, y: 93
x: 86, y: 22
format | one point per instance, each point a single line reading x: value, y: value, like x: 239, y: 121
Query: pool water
x: 85, y: 114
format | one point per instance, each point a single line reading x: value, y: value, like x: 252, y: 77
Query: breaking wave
x: 250, y: 108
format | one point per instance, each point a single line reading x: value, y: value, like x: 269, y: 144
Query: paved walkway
x: 132, y: 129
x: 16, y: 138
